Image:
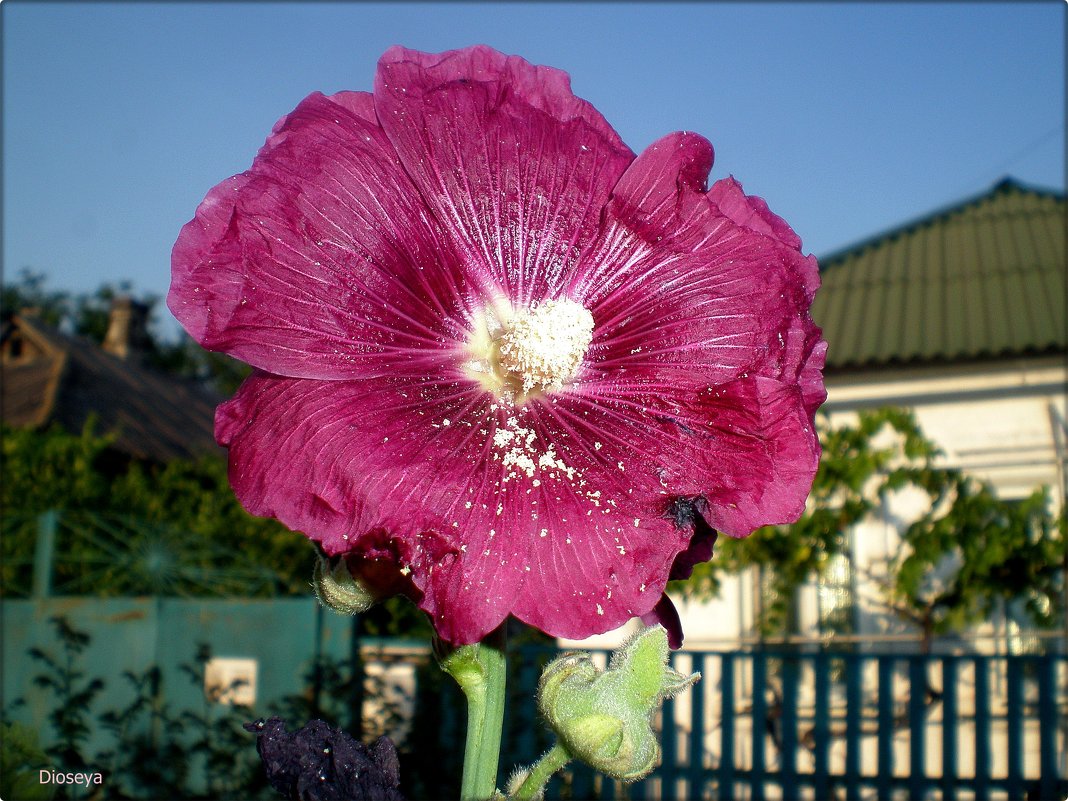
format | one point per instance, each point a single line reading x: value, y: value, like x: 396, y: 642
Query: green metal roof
x: 984, y: 278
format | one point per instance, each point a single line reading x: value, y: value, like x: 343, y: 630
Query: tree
x: 127, y: 524
x: 973, y: 552
x: 131, y: 527
x: 854, y: 472
x: 968, y: 552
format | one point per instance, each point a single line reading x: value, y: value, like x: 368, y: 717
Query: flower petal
x: 683, y: 296
x: 320, y: 261
x: 383, y: 473
x: 515, y: 165
x: 494, y: 509
x: 757, y: 451
x: 747, y: 449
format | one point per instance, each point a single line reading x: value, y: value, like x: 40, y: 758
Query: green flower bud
x: 604, y: 718
x: 337, y: 589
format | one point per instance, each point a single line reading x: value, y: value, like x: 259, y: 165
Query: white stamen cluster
x: 544, y: 345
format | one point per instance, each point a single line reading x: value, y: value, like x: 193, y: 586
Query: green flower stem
x: 541, y: 772
x: 479, y: 669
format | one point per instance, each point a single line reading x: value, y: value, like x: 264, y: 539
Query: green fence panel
x: 282, y: 637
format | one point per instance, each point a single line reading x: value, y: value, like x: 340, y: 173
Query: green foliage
x: 183, y: 512
x: 154, y: 752
x: 66, y: 680
x: 853, y: 473
x: 973, y: 551
x: 145, y: 755
x: 21, y: 758
x: 976, y: 548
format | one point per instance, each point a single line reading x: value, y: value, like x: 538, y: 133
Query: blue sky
x: 846, y: 118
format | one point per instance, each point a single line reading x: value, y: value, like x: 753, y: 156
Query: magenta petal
x: 373, y: 251
x: 759, y: 455
x: 320, y: 261
x: 751, y: 212
x: 508, y: 159
x: 684, y: 296
x: 493, y: 510
x: 371, y: 470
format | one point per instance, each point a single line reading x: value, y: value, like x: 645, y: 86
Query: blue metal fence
x: 777, y: 724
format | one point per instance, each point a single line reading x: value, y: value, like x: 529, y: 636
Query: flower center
x: 544, y: 345
x: 519, y: 353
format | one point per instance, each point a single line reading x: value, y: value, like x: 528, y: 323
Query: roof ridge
x: 1004, y: 184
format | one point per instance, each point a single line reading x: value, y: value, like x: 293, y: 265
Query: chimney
x: 127, y: 335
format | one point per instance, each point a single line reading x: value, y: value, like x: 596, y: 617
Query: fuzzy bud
x: 604, y: 718
x: 337, y: 589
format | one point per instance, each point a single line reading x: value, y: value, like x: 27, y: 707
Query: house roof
x: 50, y: 377
x: 984, y: 278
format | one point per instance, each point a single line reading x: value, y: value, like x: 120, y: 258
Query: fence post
x: 821, y: 730
x: 789, y: 726
x: 1047, y: 725
x: 982, y: 726
x: 854, y: 700
x: 726, y: 741
x: 760, y: 721
x: 44, y: 552
x: 1015, y: 713
x: 949, y: 726
x: 886, y: 724
x: 917, y: 725
x: 695, y: 773
x: 669, y: 762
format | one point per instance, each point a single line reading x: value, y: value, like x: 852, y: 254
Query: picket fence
x: 783, y: 724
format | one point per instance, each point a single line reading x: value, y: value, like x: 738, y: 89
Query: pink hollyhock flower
x: 499, y: 353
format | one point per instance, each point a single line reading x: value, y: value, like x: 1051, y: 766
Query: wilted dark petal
x: 320, y: 261
x: 320, y: 763
x: 667, y: 616
x: 683, y: 296
x: 689, y: 513
x: 515, y: 165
